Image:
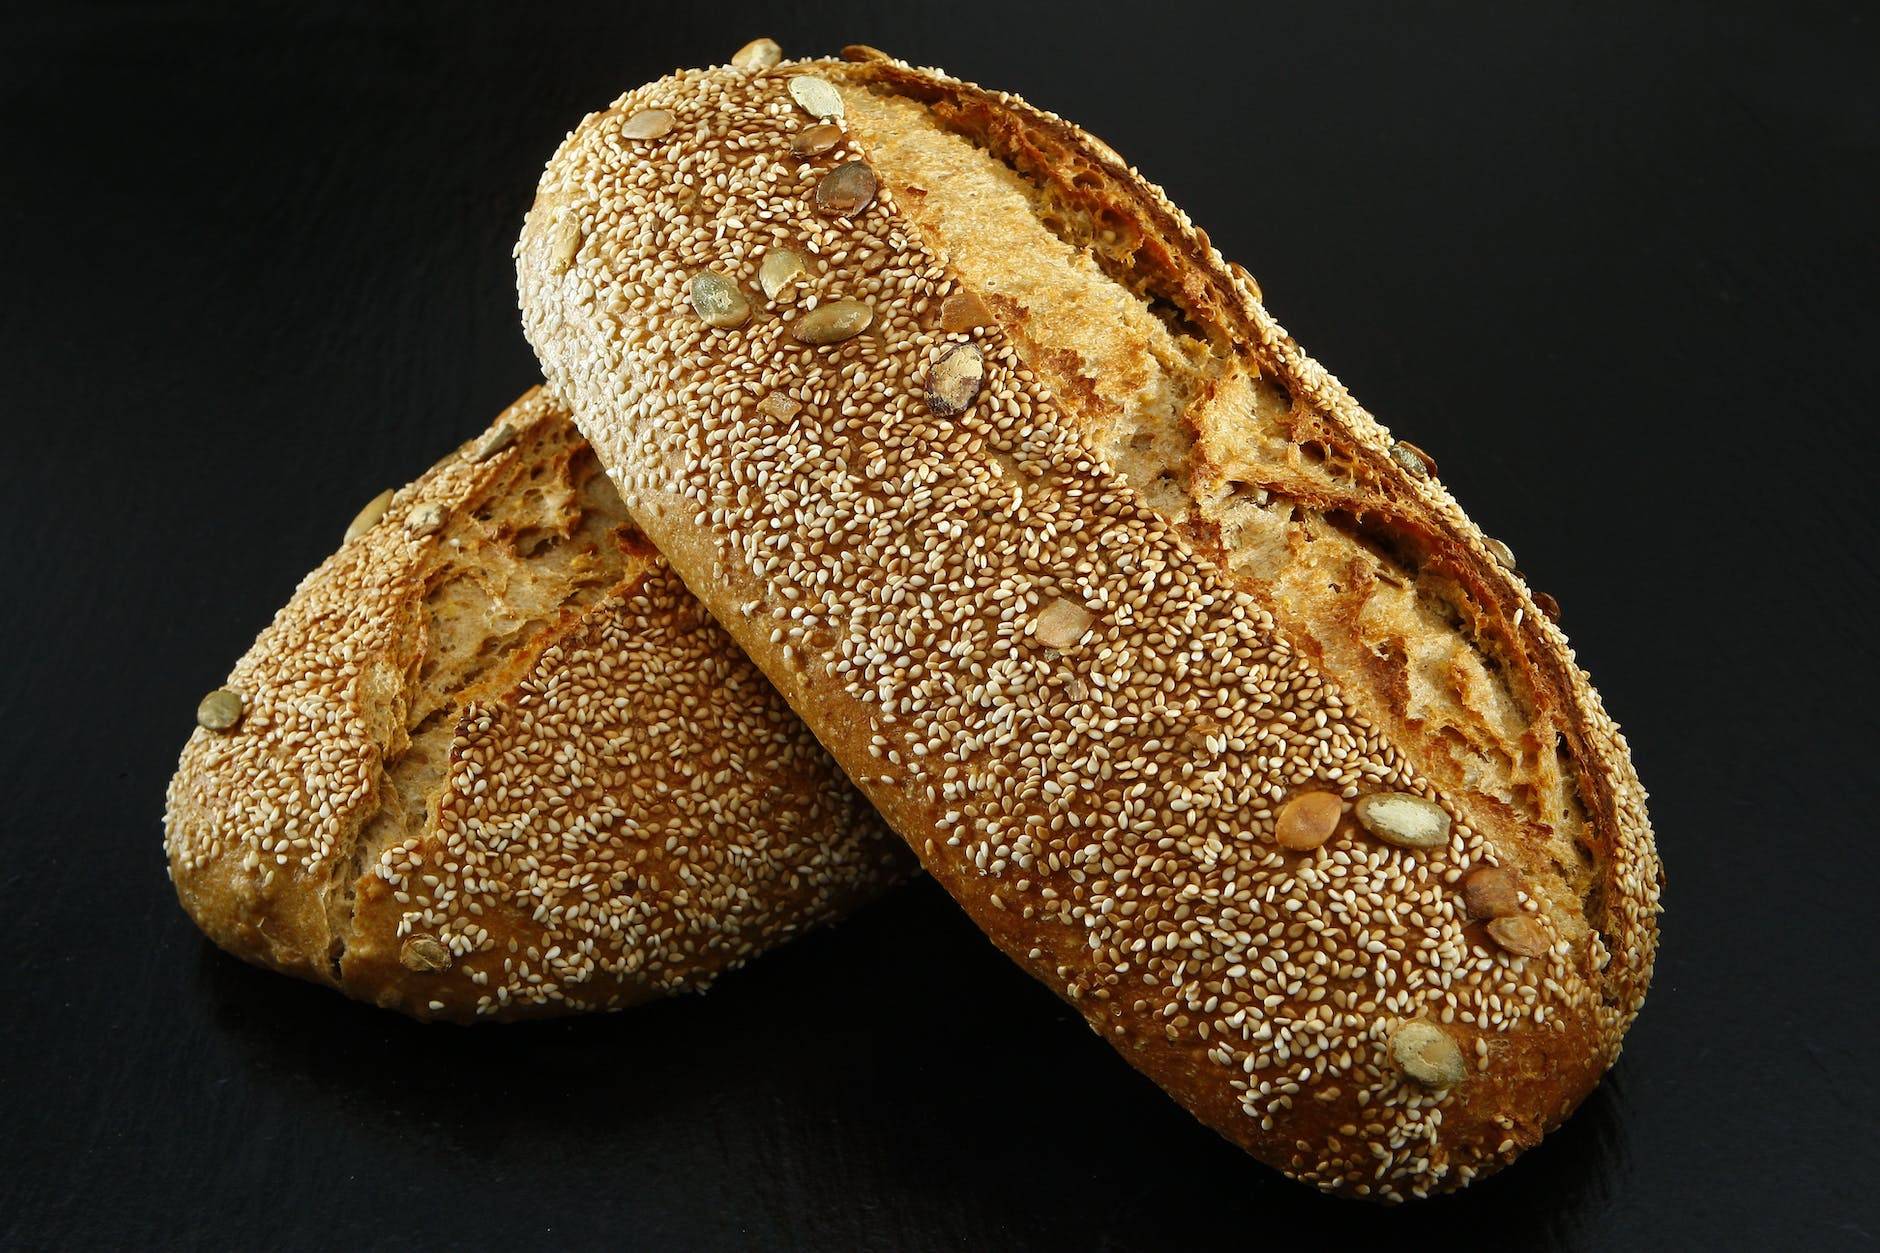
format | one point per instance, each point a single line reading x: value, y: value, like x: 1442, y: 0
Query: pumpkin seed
x: 759, y: 54
x: 564, y: 243
x: 962, y: 311
x: 220, y: 710
x: 425, y: 520
x: 1424, y: 1051
x: 1062, y: 623
x: 424, y: 953
x: 832, y: 323
x: 1308, y: 820
x: 1404, y: 819
x: 1491, y: 892
x: 846, y: 190
x: 954, y: 380
x: 718, y: 301
x: 820, y: 100
x: 493, y: 442
x: 780, y: 268
x: 647, y: 124
x: 1419, y: 464
x: 779, y: 406
x: 813, y: 141
x: 1521, y: 935
x: 368, y: 517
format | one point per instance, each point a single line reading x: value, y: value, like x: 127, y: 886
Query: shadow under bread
x: 896, y: 1060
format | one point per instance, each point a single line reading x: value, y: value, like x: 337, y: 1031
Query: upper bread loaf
x: 1190, y: 683
x: 492, y: 761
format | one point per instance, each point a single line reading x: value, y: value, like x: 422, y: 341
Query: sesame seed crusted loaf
x: 492, y: 761
x: 1193, y: 686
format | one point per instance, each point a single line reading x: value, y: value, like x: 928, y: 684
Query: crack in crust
x: 1101, y: 799
x: 1267, y: 486
x: 509, y: 768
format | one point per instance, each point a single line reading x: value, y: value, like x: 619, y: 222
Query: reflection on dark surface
x: 892, y: 1079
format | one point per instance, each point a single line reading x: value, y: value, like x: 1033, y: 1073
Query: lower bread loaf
x: 492, y: 761
x: 1191, y: 683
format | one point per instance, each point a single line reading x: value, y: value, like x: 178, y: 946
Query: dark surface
x: 1618, y: 273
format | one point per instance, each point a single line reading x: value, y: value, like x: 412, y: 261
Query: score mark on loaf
x: 1192, y: 685
x: 491, y: 762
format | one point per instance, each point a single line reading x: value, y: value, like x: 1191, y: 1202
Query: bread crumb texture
x: 496, y: 762
x: 1083, y: 624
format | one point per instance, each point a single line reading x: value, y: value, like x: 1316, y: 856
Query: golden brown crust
x: 1079, y: 642
x: 496, y: 763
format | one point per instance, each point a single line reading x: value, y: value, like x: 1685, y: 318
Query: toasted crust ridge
x: 496, y: 763
x: 1063, y: 633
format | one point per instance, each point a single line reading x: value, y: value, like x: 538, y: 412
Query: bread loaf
x: 1191, y: 683
x: 492, y: 761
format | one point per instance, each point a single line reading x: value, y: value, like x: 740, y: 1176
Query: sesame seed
x: 637, y: 806
x: 1095, y: 715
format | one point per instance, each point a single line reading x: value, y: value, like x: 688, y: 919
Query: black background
x: 1615, y: 268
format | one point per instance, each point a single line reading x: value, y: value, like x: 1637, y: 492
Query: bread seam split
x: 1184, y: 677
x: 494, y: 762
x: 1076, y: 185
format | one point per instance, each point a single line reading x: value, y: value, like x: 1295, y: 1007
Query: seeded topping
x: 962, y: 311
x: 954, y: 380
x: 813, y: 141
x: 494, y: 440
x: 759, y: 54
x: 1491, y: 892
x: 424, y: 953
x: 818, y: 98
x: 1404, y: 820
x: 631, y: 811
x: 902, y: 561
x: 718, y: 301
x: 1500, y: 552
x: 220, y: 710
x: 647, y: 124
x: 369, y: 516
x: 863, y: 52
x: 426, y: 519
x: 832, y: 323
x: 780, y: 269
x: 1522, y: 935
x: 779, y: 406
x: 846, y: 190
x: 1419, y: 464
x: 1548, y: 605
x: 1425, y: 1053
x: 1308, y: 820
x: 1061, y: 624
